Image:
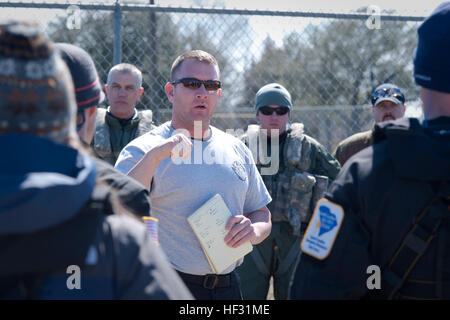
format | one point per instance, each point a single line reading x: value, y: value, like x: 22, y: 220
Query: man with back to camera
x: 89, y: 96
x: 384, y: 222
x: 214, y: 162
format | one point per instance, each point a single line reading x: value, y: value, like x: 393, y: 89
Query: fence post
x: 117, y: 51
x: 153, y: 59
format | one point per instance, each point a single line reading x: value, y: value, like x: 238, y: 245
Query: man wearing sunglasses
x: 388, y: 103
x: 389, y: 207
x: 299, y: 179
x: 213, y: 162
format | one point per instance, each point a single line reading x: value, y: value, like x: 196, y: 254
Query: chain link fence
x: 329, y: 62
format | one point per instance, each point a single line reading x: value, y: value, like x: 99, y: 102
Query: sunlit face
x: 189, y: 105
x: 123, y: 94
x: 388, y: 110
x: 273, y: 121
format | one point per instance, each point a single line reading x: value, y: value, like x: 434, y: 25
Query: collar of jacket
x: 113, y: 121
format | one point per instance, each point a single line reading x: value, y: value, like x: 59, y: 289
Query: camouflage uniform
x: 304, y: 171
x: 104, y: 144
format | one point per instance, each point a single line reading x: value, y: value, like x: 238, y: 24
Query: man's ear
x: 106, y: 89
x: 141, y: 91
x: 169, y: 89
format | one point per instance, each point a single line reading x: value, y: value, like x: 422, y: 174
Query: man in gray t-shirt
x: 185, y: 162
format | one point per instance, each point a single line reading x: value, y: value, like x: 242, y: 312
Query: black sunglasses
x: 388, y: 92
x: 194, y: 84
x: 267, y: 111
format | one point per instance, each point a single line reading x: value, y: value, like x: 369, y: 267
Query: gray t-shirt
x: 222, y: 164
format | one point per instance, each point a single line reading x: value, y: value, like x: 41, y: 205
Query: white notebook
x: 208, y: 223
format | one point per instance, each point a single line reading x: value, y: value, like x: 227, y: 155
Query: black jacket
x: 382, y: 190
x: 55, y: 218
x: 131, y: 193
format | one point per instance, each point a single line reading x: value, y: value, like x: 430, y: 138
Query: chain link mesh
x: 329, y: 64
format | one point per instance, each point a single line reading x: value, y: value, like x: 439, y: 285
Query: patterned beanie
x: 36, y: 90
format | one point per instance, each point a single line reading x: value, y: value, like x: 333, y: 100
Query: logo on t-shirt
x: 239, y: 169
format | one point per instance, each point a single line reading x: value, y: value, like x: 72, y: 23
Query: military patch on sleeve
x: 323, y: 229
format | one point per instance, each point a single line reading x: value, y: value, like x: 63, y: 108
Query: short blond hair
x: 198, y: 55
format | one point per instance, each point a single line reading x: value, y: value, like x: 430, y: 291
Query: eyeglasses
x: 267, y: 111
x: 387, y: 92
x: 194, y: 84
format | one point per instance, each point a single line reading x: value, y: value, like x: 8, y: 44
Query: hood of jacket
x: 42, y: 183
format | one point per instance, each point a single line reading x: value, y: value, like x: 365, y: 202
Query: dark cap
x: 88, y: 90
x: 387, y: 92
x: 273, y: 93
x: 431, y: 57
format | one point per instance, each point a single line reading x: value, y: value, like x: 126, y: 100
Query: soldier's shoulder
x: 297, y: 128
x: 146, y: 112
x: 357, y: 138
x: 146, y: 117
x: 312, y: 141
x: 252, y: 130
x: 100, y: 114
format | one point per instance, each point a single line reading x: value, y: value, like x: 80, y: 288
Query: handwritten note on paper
x: 208, y: 223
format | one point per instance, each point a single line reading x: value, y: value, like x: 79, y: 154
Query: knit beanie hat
x: 273, y: 93
x: 36, y: 90
x: 431, y: 58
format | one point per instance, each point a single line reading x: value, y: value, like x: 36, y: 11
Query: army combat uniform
x: 113, y: 134
x: 395, y: 198
x: 304, y: 170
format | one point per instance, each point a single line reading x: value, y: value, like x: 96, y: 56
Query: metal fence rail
x: 329, y: 62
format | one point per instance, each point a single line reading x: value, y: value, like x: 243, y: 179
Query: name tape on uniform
x: 322, y: 229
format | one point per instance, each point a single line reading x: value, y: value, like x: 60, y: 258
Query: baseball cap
x: 387, y: 92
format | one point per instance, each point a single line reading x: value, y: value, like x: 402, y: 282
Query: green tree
x: 339, y: 62
x: 151, y: 41
x: 142, y: 45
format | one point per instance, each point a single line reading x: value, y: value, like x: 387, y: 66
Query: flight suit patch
x: 323, y: 229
